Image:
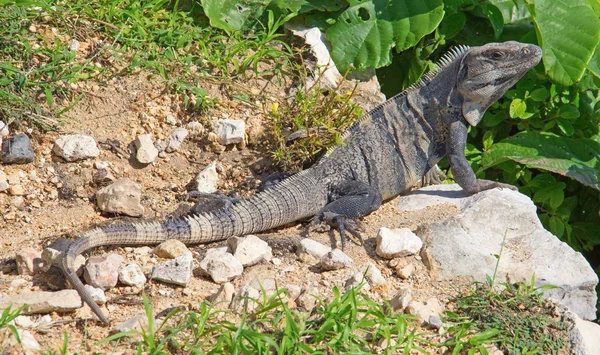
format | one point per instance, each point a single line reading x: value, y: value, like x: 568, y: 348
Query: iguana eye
x: 496, y: 55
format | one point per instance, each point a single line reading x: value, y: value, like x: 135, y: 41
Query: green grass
x: 347, y: 323
x: 518, y: 320
x: 38, y: 70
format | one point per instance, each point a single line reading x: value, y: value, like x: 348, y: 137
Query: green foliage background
x: 541, y: 136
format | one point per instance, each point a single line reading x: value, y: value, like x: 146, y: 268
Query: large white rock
x: 132, y: 275
x: 313, y: 248
x: 465, y: 245
x: 74, y: 147
x: 175, y: 139
x: 588, y: 341
x: 324, y: 67
x: 335, y: 259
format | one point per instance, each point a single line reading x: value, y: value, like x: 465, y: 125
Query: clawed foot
x: 325, y: 220
x: 210, y: 202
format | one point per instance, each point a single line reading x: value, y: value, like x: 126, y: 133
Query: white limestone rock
x: 43, y: 301
x: 250, y: 250
x: 464, y: 245
x: 335, y: 259
x: 121, y: 197
x: 207, y: 179
x: 103, y: 271
x: 221, y: 265
x: 146, y: 152
x: 73, y: 147
x: 230, y: 131
x: 392, y: 243
x: 313, y: 248
x: 131, y: 275
x: 177, y: 271
x: 175, y: 139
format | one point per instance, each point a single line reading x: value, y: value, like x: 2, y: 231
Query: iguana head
x: 486, y: 72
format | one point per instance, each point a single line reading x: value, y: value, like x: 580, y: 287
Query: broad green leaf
x: 517, y: 108
x: 233, y: 16
x: 568, y: 112
x: 542, y: 180
x: 565, y: 126
x: 491, y: 120
x: 452, y: 24
x: 513, y: 11
x: 553, y: 195
x: 568, y: 32
x: 540, y: 94
x: 364, y: 35
x: 577, y: 159
x: 556, y: 226
x: 493, y: 15
x: 587, y: 232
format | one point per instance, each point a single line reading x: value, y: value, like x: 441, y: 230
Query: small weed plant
x: 8, y: 329
x: 310, y: 124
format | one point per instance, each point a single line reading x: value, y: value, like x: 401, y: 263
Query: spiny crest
x: 445, y: 60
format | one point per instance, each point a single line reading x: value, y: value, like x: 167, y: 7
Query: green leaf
x: 452, y: 24
x: 491, y: 120
x: 540, y: 94
x: 556, y: 226
x: 565, y: 126
x: 553, y: 195
x: 517, y: 108
x: 568, y: 32
x: 494, y: 15
x: 233, y: 16
x: 587, y: 232
x: 513, y: 11
x: 483, y: 336
x: 542, y: 180
x: 364, y: 35
x: 568, y: 112
x: 577, y: 159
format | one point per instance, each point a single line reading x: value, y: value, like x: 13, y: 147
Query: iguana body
x: 383, y: 155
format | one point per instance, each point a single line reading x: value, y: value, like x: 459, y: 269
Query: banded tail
x: 295, y: 198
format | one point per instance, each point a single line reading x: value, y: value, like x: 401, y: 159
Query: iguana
x: 383, y: 154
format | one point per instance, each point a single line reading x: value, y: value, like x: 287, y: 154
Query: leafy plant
x: 310, y: 124
x: 6, y: 328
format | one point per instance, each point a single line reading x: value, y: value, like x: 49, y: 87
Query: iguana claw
x: 342, y: 224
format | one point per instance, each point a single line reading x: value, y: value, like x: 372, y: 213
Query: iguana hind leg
x: 207, y: 202
x: 349, y: 201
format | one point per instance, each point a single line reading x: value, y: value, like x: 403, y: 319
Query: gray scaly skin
x: 384, y: 154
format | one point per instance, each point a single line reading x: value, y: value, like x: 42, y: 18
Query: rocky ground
x: 52, y: 198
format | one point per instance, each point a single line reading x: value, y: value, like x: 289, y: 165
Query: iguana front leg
x: 349, y: 200
x: 461, y: 170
